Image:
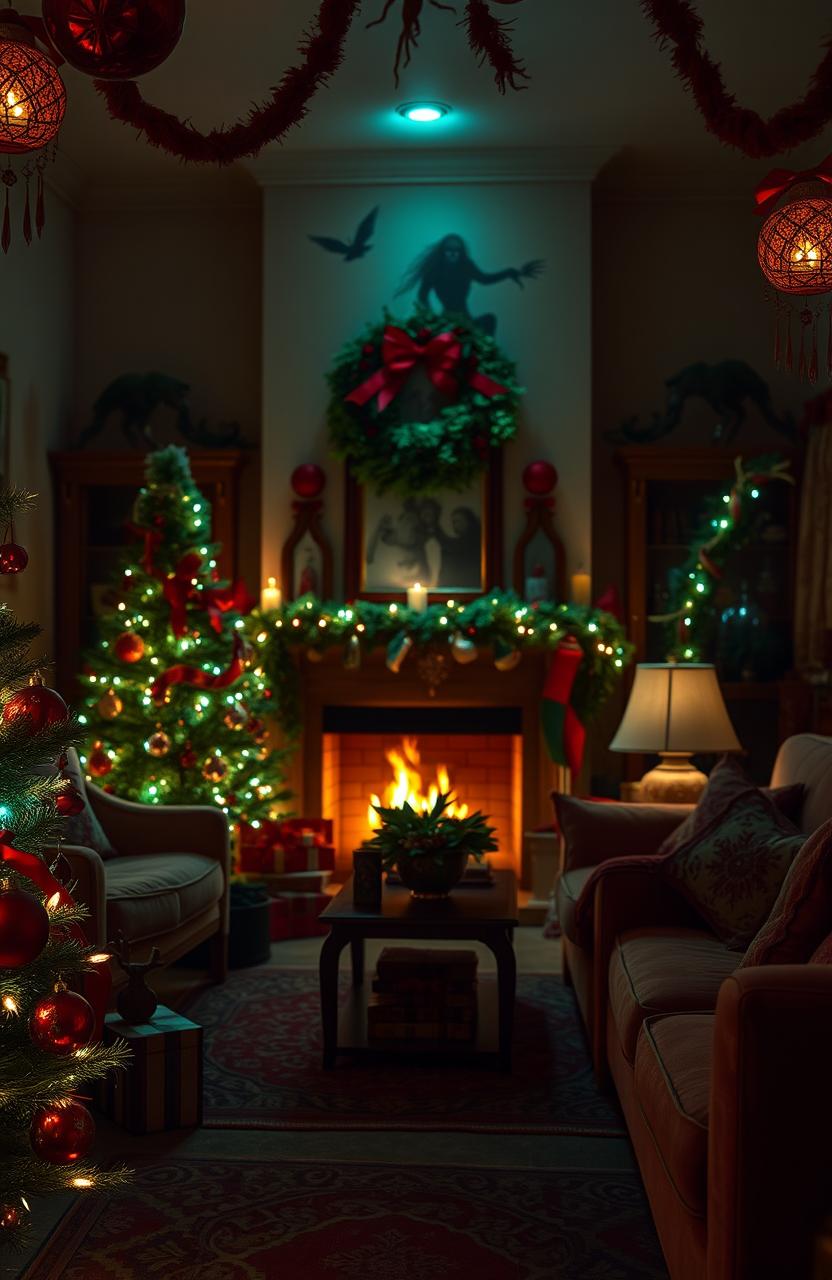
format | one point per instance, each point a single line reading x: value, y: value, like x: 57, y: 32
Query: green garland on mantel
x: 499, y: 622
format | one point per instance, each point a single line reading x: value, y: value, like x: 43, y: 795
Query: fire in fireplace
x: 407, y: 786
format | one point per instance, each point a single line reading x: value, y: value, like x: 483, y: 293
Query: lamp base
x: 674, y: 780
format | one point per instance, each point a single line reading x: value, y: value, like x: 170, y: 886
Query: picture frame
x: 5, y: 422
x: 450, y: 542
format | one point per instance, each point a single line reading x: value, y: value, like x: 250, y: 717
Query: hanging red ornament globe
x: 99, y: 763
x: 13, y: 558
x: 308, y: 480
x: 62, y: 1023
x: 36, y: 705
x: 24, y: 928
x: 69, y: 802
x: 114, y: 39
x: 794, y: 247
x: 11, y: 1216
x: 62, y: 1135
x: 158, y: 744
x: 129, y: 647
x: 32, y: 94
x: 539, y: 478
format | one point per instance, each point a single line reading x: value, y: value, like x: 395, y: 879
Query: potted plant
x: 428, y: 848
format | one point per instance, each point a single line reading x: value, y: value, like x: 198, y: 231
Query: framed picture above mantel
x: 450, y: 542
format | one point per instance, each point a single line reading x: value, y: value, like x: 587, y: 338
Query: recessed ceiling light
x: 423, y: 112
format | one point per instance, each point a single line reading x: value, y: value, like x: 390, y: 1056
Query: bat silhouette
x: 360, y: 244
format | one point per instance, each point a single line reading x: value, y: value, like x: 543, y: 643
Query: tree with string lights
x: 49, y: 1031
x: 177, y: 700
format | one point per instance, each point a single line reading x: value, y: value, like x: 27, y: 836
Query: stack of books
x: 422, y: 994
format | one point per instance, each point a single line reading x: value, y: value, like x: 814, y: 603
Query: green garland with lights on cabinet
x: 498, y: 627
x: 177, y: 704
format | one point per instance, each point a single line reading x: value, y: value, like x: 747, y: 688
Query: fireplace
x: 386, y: 755
x: 479, y: 724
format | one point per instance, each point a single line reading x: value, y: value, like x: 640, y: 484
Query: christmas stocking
x: 565, y: 735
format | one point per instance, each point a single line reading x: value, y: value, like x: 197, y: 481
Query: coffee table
x: 471, y: 914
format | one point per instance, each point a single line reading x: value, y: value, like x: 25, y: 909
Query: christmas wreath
x: 479, y: 396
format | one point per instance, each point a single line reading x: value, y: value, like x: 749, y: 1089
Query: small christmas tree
x: 175, y: 713
x: 48, y: 1052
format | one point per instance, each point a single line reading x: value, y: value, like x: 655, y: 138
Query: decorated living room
x: 415, y: 640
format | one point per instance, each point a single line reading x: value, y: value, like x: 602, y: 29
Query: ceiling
x: 597, y: 79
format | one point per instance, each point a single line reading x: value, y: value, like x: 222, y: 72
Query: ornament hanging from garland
x: 62, y: 1134
x: 24, y: 928
x: 381, y: 383
x: 114, y: 39
x: 794, y: 249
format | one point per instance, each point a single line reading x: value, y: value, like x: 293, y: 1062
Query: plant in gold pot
x: 428, y: 847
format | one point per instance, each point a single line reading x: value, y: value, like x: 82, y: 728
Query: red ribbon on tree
x: 778, y: 181
x: 180, y: 589
x: 441, y: 356
x: 97, y: 981
x: 198, y: 676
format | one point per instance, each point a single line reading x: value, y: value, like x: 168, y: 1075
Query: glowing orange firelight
x: 407, y: 786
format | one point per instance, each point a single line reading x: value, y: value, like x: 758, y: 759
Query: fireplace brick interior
x: 485, y: 771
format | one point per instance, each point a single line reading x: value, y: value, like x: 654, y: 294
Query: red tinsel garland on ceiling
x: 677, y: 21
x: 323, y: 50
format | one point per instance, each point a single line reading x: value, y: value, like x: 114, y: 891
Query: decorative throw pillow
x: 728, y: 780
x: 732, y: 871
x: 594, y: 830
x: 801, y: 917
x: 84, y: 828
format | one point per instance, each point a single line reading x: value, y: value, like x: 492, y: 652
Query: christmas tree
x: 175, y: 713
x: 48, y: 1031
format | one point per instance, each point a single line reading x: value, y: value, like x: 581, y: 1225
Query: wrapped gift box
x: 282, y: 848
x: 162, y: 1086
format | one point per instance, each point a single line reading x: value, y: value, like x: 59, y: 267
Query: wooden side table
x: 487, y: 915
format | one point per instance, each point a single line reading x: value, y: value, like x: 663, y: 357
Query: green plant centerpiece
x: 429, y: 848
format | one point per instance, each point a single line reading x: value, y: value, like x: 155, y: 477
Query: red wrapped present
x: 305, y: 832
x: 302, y: 858
x: 279, y: 848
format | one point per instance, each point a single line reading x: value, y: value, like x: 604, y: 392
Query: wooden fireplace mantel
x: 328, y: 683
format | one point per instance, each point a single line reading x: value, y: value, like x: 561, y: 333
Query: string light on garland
x: 723, y: 532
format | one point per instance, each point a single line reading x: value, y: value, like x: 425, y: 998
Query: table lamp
x: 675, y: 709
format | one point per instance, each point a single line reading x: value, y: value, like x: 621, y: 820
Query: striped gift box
x: 162, y: 1086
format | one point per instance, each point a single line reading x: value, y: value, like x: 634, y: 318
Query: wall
x: 37, y: 336
x: 675, y: 280
x: 173, y: 283
x: 313, y: 302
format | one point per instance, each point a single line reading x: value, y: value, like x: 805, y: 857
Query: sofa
x: 722, y: 1071
x: 160, y: 876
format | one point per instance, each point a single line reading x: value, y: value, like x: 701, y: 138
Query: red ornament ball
x: 114, y: 39
x: 129, y: 647
x: 69, y: 802
x: 61, y: 1023
x: 37, y: 705
x: 32, y: 93
x: 13, y: 557
x: 187, y: 759
x: 794, y: 247
x: 11, y: 1216
x: 62, y: 1135
x: 308, y: 480
x: 24, y: 928
x: 99, y: 763
x: 539, y: 478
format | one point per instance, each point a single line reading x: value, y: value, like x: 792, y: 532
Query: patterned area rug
x: 221, y: 1219
x: 263, y: 1068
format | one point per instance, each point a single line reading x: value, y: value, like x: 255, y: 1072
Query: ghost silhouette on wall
x: 446, y: 270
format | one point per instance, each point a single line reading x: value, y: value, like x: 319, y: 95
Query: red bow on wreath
x: 441, y: 356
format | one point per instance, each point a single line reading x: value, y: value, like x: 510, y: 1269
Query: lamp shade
x: 675, y: 707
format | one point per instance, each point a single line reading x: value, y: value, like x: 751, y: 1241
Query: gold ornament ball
x: 214, y: 769
x: 158, y: 744
x: 110, y: 705
x: 235, y: 718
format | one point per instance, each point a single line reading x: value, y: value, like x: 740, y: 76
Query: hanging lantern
x: 32, y: 94
x: 114, y: 39
x: 794, y: 249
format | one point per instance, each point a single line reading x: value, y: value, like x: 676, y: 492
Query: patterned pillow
x: 801, y: 917
x: 732, y: 871
x: 728, y: 780
x: 84, y: 828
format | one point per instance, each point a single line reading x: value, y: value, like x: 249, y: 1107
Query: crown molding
x: 436, y: 166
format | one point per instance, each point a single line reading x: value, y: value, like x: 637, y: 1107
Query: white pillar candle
x: 417, y: 597
x: 581, y: 588
x: 271, y: 597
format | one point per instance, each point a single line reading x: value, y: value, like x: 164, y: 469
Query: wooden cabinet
x: 666, y: 494
x: 94, y: 494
